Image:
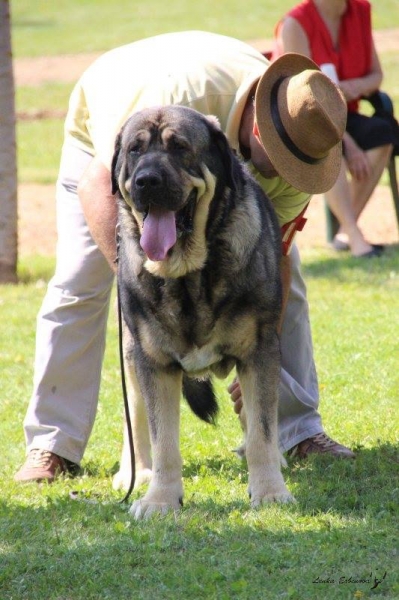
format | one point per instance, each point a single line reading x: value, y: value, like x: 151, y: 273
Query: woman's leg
x: 339, y: 199
x: 361, y: 191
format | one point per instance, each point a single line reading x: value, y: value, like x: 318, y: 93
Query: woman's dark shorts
x: 371, y: 132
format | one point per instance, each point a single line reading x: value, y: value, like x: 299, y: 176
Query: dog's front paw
x: 144, y: 508
x: 160, y: 498
x: 141, y: 509
x: 282, y: 497
x: 122, y: 479
x: 270, y: 490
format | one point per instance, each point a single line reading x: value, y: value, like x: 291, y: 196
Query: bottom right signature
x: 371, y: 578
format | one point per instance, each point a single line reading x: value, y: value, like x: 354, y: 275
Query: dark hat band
x: 281, y: 130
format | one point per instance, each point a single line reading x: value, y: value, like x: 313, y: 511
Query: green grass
x: 68, y: 26
x: 39, y: 141
x: 343, y: 526
x: 78, y: 26
x: 50, y: 96
x: 39, y: 145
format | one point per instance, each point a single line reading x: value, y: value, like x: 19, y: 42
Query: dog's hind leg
x: 141, y: 439
x: 162, y: 392
x: 259, y: 379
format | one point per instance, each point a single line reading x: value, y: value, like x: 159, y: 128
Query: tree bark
x: 8, y: 159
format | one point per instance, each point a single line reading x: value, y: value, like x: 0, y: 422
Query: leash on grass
x: 76, y: 495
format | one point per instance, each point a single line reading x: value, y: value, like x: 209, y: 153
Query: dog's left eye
x: 177, y: 144
x: 135, y: 149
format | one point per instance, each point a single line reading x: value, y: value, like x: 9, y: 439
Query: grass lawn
x: 339, y: 537
x: 69, y: 26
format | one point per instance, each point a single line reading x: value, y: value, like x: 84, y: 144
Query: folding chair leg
x: 332, y: 223
x: 394, y: 186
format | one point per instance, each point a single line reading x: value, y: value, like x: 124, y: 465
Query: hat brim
x: 311, y: 178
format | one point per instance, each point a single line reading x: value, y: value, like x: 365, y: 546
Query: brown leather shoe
x: 43, y: 465
x: 321, y: 444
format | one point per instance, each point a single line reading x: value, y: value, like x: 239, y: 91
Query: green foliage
x: 343, y: 529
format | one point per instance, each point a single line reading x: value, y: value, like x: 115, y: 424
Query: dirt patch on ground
x: 37, y: 228
x: 69, y: 67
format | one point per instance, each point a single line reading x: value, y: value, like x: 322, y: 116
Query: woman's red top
x: 352, y: 58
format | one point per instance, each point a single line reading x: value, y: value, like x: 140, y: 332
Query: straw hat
x: 301, y: 118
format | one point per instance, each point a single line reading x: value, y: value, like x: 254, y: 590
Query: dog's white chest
x: 200, y: 359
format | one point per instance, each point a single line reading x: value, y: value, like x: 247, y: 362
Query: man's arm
x: 100, y: 208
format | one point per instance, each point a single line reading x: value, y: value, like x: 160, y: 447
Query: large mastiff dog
x: 200, y: 291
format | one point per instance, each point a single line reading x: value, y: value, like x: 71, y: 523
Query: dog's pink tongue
x: 159, y: 233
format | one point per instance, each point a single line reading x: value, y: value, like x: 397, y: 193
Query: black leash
x: 123, y: 379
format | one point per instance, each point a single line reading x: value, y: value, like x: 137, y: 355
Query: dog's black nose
x: 148, y: 179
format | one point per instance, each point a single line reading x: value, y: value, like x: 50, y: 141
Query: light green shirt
x: 210, y: 73
x: 287, y: 200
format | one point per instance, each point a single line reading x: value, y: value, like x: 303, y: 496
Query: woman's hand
x: 356, y: 159
x: 352, y: 89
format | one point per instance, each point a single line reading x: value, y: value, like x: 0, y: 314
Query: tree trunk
x: 8, y: 160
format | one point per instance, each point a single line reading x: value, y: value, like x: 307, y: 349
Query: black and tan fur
x: 213, y: 303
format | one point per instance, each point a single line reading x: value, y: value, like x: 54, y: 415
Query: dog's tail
x: 201, y: 398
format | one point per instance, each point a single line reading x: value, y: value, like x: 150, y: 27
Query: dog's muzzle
x: 162, y: 228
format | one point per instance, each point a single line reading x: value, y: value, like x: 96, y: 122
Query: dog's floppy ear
x: 227, y: 155
x: 116, y: 164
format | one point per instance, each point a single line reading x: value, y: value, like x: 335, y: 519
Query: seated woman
x: 338, y: 33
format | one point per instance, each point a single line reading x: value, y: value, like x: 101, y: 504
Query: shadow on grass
x: 93, y: 468
x: 216, y: 547
x: 319, y: 484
